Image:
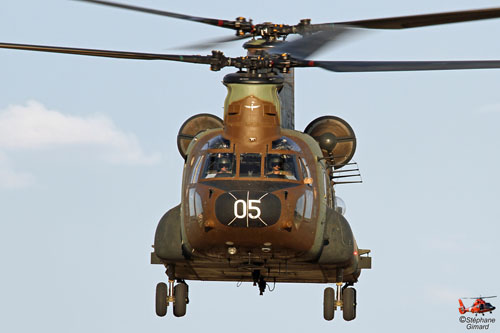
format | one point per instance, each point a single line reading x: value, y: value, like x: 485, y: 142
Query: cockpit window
x: 282, y: 166
x: 305, y: 169
x: 196, y: 170
x: 250, y: 165
x: 218, y: 165
x: 217, y: 142
x: 306, y: 173
x: 285, y: 143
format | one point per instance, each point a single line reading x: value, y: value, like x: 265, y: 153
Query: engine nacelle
x: 193, y: 126
x: 336, y: 139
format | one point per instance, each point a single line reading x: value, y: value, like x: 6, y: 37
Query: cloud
x: 33, y: 126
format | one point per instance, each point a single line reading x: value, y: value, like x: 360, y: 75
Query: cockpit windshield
x: 282, y: 166
x: 250, y: 165
x: 219, y: 165
x: 246, y: 165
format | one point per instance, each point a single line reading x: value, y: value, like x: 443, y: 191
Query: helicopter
x: 479, y: 305
x: 239, y: 218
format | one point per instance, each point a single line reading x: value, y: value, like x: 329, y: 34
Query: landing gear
x: 328, y: 304
x: 345, y: 300
x: 349, y: 300
x: 180, y: 299
x: 161, y: 299
x: 178, y: 295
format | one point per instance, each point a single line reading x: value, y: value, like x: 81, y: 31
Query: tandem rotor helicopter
x: 258, y: 202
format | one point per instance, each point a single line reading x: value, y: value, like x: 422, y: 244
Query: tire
x: 328, y: 304
x: 180, y: 299
x: 355, y: 302
x: 349, y: 300
x: 161, y: 299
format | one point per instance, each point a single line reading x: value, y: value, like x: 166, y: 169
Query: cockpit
x: 218, y: 159
x: 219, y: 165
x: 250, y: 165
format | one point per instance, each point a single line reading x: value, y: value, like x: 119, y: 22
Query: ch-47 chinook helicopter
x: 258, y: 202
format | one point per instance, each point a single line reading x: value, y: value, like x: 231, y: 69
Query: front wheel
x: 161, y: 299
x: 180, y: 299
x: 328, y: 304
x: 349, y: 300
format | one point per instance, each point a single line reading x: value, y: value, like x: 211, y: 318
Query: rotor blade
x: 302, y: 48
x: 216, y: 22
x: 212, y: 43
x: 110, y: 54
x: 414, y: 21
x: 394, y: 66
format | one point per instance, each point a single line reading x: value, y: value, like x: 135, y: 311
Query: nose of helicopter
x: 248, y: 215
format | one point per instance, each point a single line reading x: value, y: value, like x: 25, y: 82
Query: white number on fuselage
x: 242, y: 209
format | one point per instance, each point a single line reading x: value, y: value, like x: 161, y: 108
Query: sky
x: 89, y: 164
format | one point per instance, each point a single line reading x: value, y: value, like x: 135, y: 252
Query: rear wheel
x: 328, y: 303
x: 349, y: 300
x: 180, y: 299
x: 161, y: 299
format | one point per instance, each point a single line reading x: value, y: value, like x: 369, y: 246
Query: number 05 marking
x: 245, y: 209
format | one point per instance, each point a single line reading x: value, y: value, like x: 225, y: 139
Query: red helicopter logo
x: 479, y: 306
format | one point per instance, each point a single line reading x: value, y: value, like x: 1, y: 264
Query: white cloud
x: 33, y: 126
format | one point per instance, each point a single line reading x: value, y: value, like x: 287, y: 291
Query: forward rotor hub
x: 259, y: 61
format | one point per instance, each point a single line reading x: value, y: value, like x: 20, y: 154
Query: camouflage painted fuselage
x: 286, y: 226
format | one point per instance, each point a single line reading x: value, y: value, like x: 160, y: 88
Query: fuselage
x: 479, y: 306
x: 248, y: 205
x: 256, y: 195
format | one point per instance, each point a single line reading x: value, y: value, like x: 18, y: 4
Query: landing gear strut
x: 178, y: 295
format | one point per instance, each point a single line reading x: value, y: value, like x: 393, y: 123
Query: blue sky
x: 89, y: 163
